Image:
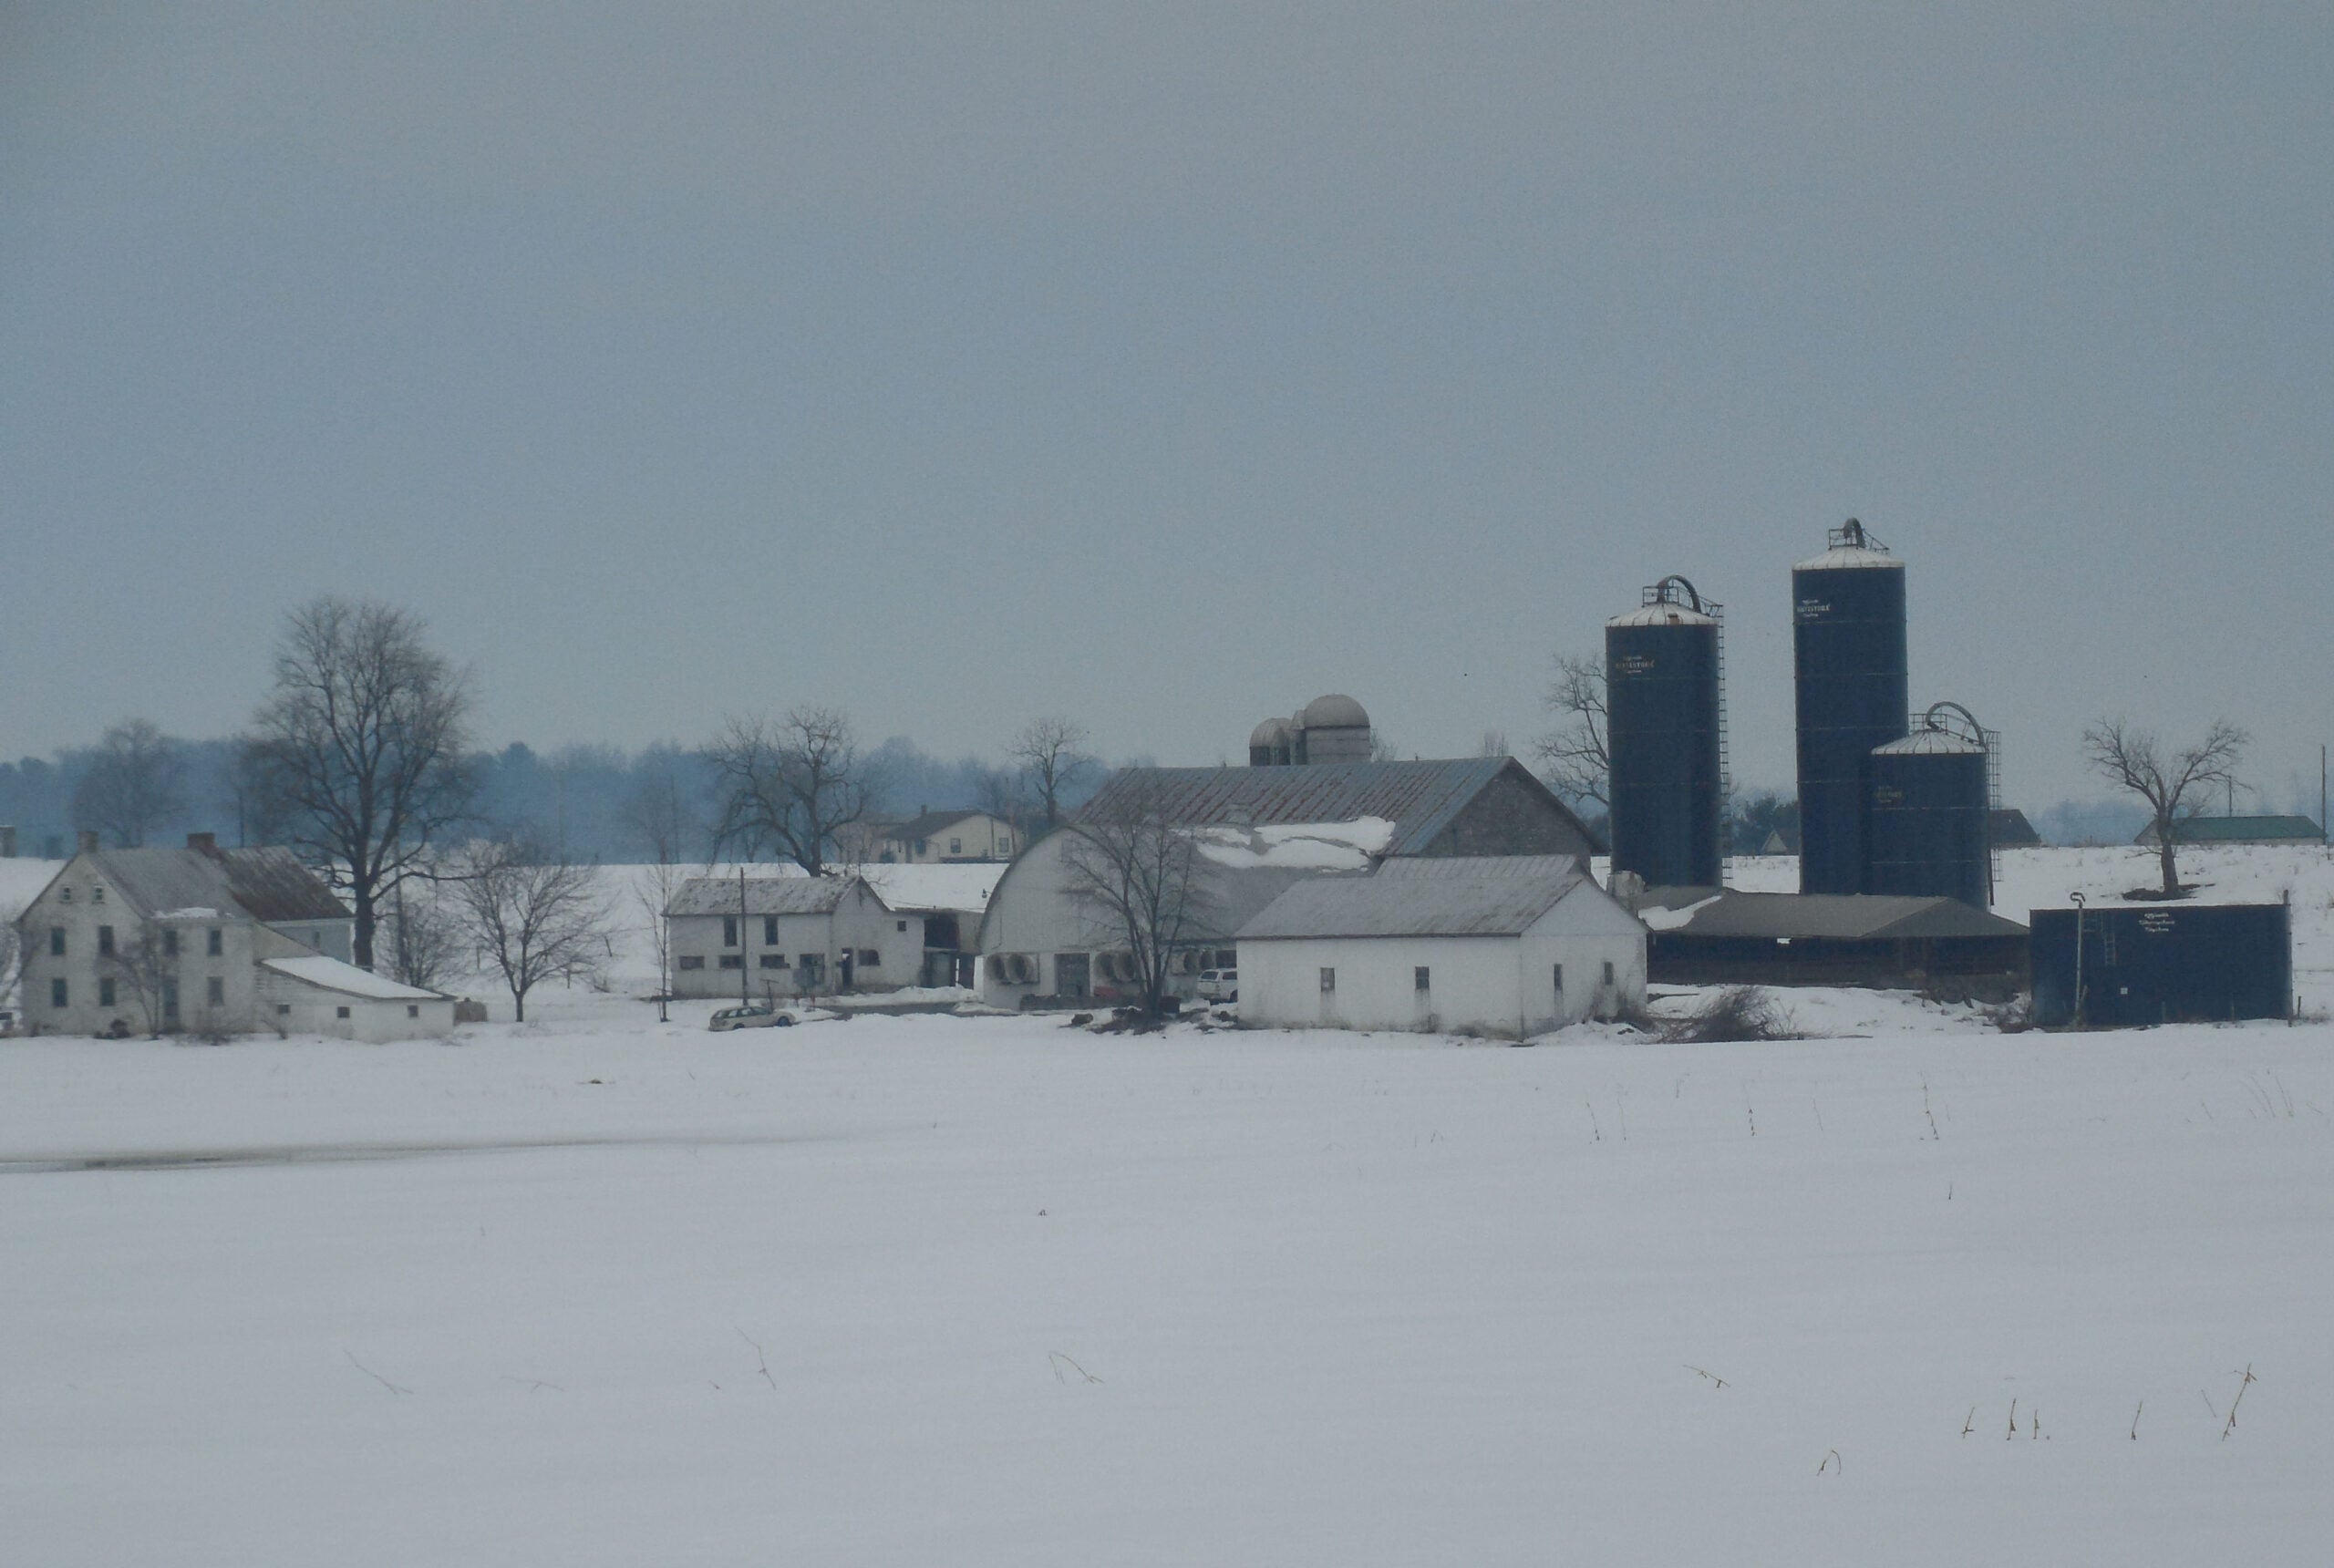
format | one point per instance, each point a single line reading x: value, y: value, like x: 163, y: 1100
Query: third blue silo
x: 1930, y: 810
x: 1663, y: 730
x: 1848, y: 655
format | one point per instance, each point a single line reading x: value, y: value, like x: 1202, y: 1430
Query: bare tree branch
x: 136, y: 784
x: 357, y: 751
x: 1137, y: 878
x: 1574, y: 759
x: 1051, y: 753
x: 2174, y: 784
x: 789, y: 785
x: 532, y: 912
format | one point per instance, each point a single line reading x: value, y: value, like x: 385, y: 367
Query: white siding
x: 94, y: 903
x: 859, y: 922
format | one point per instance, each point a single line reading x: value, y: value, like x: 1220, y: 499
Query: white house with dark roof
x: 158, y: 941
x: 776, y: 935
x: 1510, y: 946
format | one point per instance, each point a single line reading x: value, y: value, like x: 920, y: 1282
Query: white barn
x: 1512, y: 947
x: 778, y: 936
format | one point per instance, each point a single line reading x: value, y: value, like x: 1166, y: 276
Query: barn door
x: 1073, y: 975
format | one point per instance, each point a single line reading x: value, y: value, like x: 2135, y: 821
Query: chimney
x: 203, y: 844
x: 7, y: 843
x: 88, y: 840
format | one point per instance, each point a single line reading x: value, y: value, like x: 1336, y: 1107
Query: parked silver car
x: 752, y: 1015
x: 1219, y: 985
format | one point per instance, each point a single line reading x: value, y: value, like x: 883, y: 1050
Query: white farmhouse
x: 157, y: 940
x: 776, y: 935
x: 1510, y: 945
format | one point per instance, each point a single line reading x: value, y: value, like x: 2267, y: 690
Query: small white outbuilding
x: 1505, y: 945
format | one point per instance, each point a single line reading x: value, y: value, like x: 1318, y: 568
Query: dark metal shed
x: 2163, y: 963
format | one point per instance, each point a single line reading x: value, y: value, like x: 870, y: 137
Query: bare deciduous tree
x: 659, y: 813
x: 1139, y: 883
x: 533, y: 913
x: 357, y: 751
x: 1052, y: 754
x: 145, y: 965
x: 789, y: 785
x: 15, y: 951
x: 1573, y: 758
x: 136, y: 783
x: 2174, y: 784
x: 425, y: 933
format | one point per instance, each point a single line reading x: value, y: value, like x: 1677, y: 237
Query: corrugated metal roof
x: 1418, y: 798
x: 1929, y: 743
x: 1847, y: 558
x: 2237, y: 830
x: 1664, y: 614
x: 270, y: 881
x: 761, y: 895
x: 1454, y: 898
x: 1844, y: 917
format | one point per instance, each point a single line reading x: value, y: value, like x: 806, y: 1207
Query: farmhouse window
x: 56, y: 942
x: 215, y: 942
x: 869, y: 958
x: 170, y: 1000
x: 733, y: 961
x: 773, y: 960
x: 214, y: 991
x: 728, y: 931
x: 1560, y: 979
x: 1419, y: 979
x: 283, y: 1010
x: 1328, y: 980
x: 413, y: 1009
x: 97, y: 895
x: 899, y: 926
x: 955, y: 846
x: 692, y: 961
x: 1608, y: 971
x: 58, y: 995
x: 105, y: 992
x: 769, y: 931
x: 169, y: 943
x: 340, y: 1012
x: 105, y: 944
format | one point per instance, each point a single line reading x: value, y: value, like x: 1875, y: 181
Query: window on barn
x: 105, y: 944
x: 813, y: 968
x: 340, y: 1012
x: 283, y: 1010
x: 214, y: 991
x: 58, y: 995
x: 728, y: 931
x: 214, y: 944
x: 1419, y: 979
x: 899, y: 926
x: 955, y: 846
x: 869, y: 958
x: 691, y: 961
x: 1608, y: 971
x: 1329, y: 979
x: 769, y: 931
x: 733, y: 961
x: 1560, y: 979
x: 413, y: 1009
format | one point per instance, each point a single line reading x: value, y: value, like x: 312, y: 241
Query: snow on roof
x: 332, y: 974
x: 964, y: 886
x: 760, y: 895
x: 22, y: 880
x: 1318, y: 846
x: 1847, y: 917
x: 192, y: 912
x: 1848, y: 558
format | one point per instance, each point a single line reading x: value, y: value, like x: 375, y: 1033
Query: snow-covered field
x: 935, y: 1290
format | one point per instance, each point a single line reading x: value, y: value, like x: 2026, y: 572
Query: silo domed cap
x: 1272, y: 732
x: 1334, y: 711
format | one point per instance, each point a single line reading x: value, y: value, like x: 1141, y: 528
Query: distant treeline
x: 581, y: 795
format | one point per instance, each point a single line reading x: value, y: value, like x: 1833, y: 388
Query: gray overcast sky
x: 1165, y: 368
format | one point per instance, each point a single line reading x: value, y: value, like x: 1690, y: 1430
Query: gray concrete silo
x: 1849, y: 658
x: 1930, y: 806
x: 1268, y: 744
x: 1332, y: 729
x: 1663, y: 712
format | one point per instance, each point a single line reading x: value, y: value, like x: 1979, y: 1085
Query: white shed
x: 313, y: 994
x: 1508, y: 946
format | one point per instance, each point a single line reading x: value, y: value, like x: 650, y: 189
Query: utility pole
x: 2078, y: 901
x: 745, y: 995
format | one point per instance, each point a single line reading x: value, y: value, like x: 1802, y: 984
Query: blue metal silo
x: 1930, y: 807
x: 1848, y: 651
x: 1665, y: 733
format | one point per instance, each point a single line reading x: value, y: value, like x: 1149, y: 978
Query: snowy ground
x: 926, y: 1290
